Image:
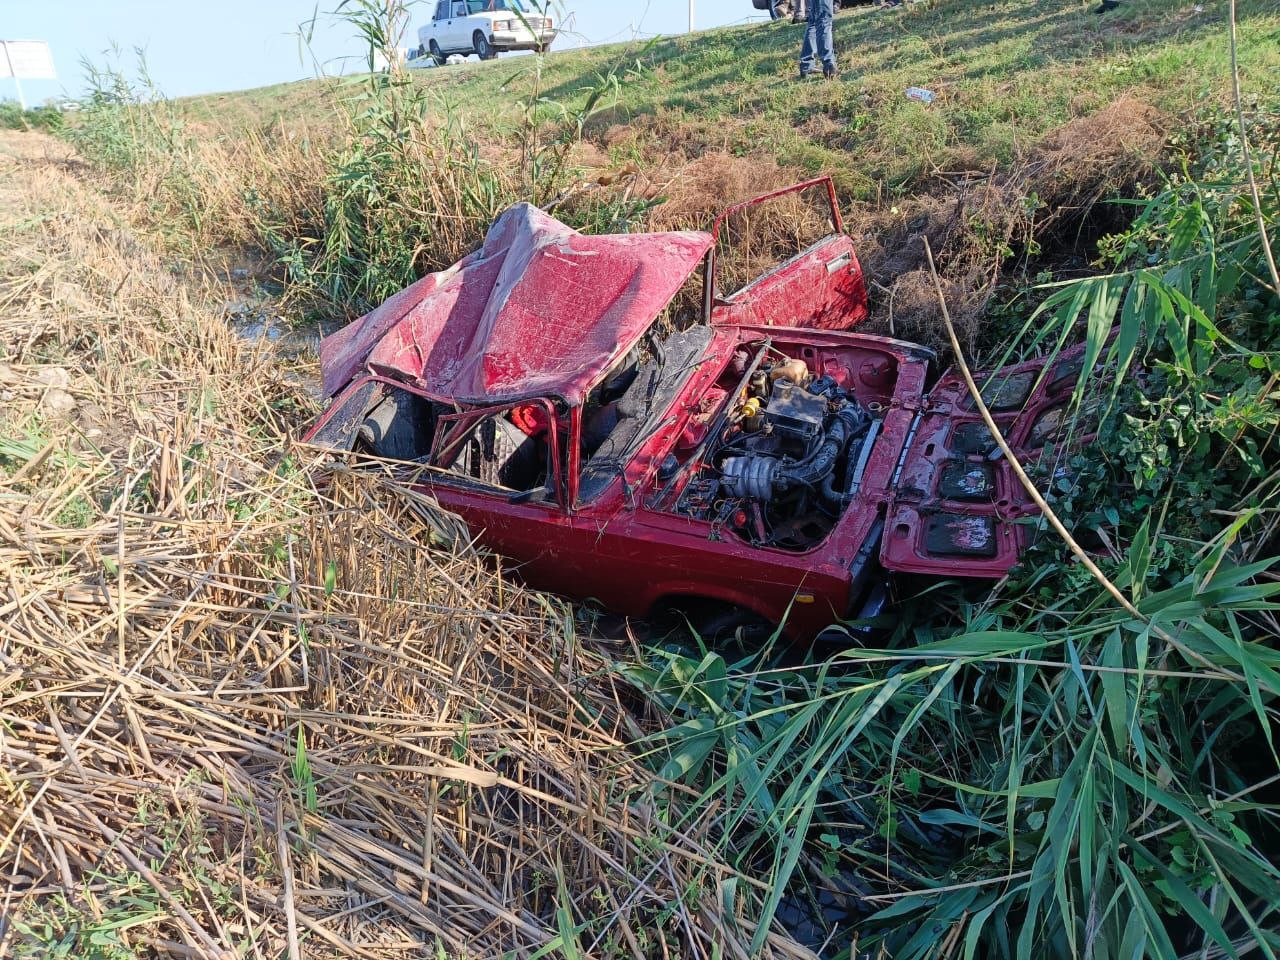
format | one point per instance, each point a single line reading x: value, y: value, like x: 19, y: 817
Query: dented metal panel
x: 539, y: 310
x: 542, y: 312
x: 957, y: 508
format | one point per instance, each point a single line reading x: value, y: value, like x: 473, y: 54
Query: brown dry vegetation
x: 245, y: 708
x: 357, y: 196
x: 266, y: 190
x: 980, y: 223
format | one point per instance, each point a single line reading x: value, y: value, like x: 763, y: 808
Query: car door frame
x: 460, y: 28
x: 825, y: 278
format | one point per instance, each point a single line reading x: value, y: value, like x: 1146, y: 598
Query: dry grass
x: 251, y: 705
x: 982, y: 222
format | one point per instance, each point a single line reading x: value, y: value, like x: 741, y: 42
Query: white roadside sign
x: 26, y: 60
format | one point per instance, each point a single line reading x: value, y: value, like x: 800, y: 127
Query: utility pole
x: 691, y: 16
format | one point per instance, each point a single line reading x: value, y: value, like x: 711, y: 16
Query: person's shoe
x: 830, y: 73
x: 1106, y: 6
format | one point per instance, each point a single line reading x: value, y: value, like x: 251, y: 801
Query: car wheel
x: 484, y: 49
x: 437, y: 54
x: 732, y: 627
x: 780, y: 9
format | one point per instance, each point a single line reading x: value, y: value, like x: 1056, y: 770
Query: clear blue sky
x: 200, y: 47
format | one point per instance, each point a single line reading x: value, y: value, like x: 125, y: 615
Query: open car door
x: 820, y: 287
x: 957, y: 508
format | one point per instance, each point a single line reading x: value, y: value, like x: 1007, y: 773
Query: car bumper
x: 522, y: 39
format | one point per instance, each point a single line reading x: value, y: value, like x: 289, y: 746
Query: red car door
x: 821, y: 287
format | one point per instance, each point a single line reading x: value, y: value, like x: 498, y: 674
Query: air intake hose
x: 759, y: 477
x: 848, y: 422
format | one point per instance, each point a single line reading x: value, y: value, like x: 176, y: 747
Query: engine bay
x: 786, y: 454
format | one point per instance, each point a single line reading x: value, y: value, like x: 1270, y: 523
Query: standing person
x: 817, y: 39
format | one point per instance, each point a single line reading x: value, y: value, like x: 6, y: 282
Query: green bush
x: 400, y: 190
x: 13, y: 117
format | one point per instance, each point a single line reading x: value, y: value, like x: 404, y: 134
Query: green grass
x: 14, y: 117
x: 1006, y: 73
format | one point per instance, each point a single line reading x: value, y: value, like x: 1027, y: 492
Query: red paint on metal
x: 944, y: 434
x: 821, y: 287
x: 539, y: 310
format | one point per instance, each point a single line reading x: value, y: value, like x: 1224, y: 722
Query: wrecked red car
x: 765, y: 461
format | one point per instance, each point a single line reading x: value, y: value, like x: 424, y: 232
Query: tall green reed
x: 410, y: 188
x: 1039, y: 773
x: 402, y: 186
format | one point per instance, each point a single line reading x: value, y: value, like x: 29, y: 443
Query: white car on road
x: 485, y: 28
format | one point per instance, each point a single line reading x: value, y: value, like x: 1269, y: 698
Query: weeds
x: 400, y: 189
x: 240, y: 633
x: 14, y: 117
x: 1034, y: 773
x: 1041, y: 773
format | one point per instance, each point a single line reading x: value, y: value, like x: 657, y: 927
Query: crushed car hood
x: 539, y: 310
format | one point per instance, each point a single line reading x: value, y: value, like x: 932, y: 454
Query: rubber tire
x: 437, y: 54
x: 733, y: 627
x: 780, y: 9
x: 484, y: 49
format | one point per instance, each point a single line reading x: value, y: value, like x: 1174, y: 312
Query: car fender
x: 672, y: 593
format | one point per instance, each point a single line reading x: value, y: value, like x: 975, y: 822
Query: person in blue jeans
x: 817, y: 40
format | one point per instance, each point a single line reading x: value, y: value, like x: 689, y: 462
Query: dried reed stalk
x: 221, y: 659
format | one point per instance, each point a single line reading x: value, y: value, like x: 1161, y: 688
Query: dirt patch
x: 1044, y: 206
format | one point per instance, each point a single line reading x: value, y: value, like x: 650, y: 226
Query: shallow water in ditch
x: 255, y: 319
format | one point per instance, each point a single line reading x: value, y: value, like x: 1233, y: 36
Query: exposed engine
x: 787, y: 458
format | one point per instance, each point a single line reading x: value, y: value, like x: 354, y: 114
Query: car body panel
x: 957, y: 507
x: 625, y: 541
x: 538, y: 310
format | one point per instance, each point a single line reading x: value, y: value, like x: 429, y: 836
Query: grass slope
x: 1006, y: 73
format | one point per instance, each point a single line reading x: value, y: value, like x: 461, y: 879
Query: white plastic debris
x: 921, y: 94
